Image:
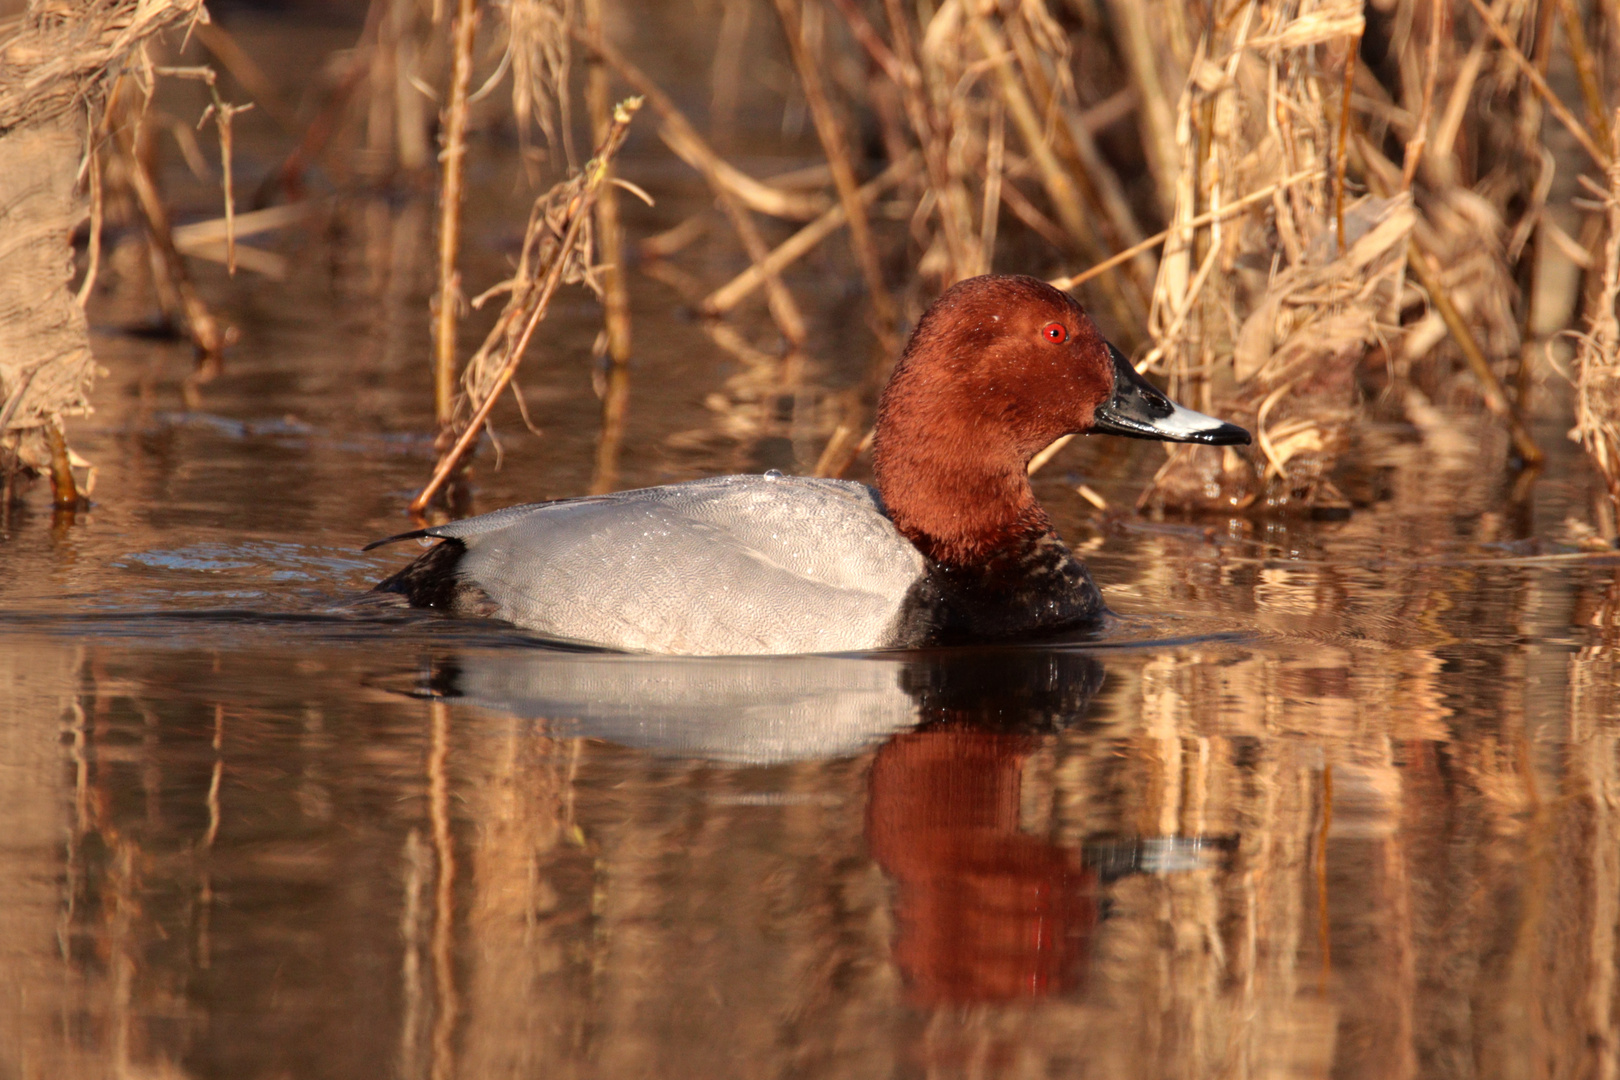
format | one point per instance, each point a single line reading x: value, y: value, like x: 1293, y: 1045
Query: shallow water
x: 1331, y: 797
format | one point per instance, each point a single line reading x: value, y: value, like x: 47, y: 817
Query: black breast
x: 1036, y: 589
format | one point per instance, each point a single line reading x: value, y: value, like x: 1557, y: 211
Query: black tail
x: 431, y: 581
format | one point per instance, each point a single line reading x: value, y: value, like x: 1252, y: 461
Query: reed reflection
x: 1221, y: 860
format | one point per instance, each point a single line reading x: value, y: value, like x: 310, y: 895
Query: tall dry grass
x: 1339, y: 202
x: 1301, y: 213
x: 58, y: 68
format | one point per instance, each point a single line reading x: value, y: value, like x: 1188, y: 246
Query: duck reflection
x: 770, y: 709
x: 985, y: 910
x: 743, y: 710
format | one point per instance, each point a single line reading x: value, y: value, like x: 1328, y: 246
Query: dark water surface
x: 1334, y: 798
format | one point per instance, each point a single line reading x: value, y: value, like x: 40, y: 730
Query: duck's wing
x: 732, y: 565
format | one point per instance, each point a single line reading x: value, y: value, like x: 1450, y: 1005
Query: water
x: 1332, y: 797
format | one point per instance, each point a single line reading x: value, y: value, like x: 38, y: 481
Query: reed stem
x: 727, y: 183
x: 1556, y: 106
x: 452, y: 158
x: 207, y: 333
x: 615, y: 294
x: 1496, y: 399
x: 836, y: 147
x: 595, y: 176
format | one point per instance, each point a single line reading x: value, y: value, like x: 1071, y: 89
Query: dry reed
x: 1597, y: 355
x: 1274, y: 280
x: 616, y: 336
x: 176, y: 288
x: 557, y: 248
x: 452, y: 156
x: 55, y: 70
x: 1316, y: 201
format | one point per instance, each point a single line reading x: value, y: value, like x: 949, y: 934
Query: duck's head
x: 998, y: 367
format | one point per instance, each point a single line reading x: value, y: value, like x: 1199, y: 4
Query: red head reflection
x: 985, y: 912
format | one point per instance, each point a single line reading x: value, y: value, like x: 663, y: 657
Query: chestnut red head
x: 1013, y: 353
x: 1010, y: 358
x: 998, y: 367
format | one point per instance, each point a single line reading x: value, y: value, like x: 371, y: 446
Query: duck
x: 949, y: 546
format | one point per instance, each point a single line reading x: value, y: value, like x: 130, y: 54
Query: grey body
x: 733, y: 565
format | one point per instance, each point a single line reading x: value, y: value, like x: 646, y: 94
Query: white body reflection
x: 753, y: 710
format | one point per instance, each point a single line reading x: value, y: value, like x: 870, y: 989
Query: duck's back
x: 726, y: 566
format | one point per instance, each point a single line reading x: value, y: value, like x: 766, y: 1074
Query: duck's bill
x: 1140, y: 411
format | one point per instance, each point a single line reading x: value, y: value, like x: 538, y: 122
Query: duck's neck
x: 964, y: 511
x: 998, y: 569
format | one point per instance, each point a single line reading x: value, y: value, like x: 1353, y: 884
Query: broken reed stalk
x: 833, y: 143
x: 64, y: 491
x: 452, y: 158
x: 223, y: 113
x: 727, y: 183
x: 1597, y: 354
x: 1496, y: 399
x: 1231, y: 209
x: 615, y: 291
x: 530, y: 303
x: 207, y: 334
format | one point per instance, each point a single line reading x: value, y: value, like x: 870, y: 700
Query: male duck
x: 950, y: 547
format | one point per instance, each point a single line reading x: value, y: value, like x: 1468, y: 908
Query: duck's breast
x: 728, y: 566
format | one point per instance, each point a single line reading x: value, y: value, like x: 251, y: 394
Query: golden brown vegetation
x: 1301, y: 213
x: 1424, y: 872
x: 1347, y: 215
x: 57, y: 64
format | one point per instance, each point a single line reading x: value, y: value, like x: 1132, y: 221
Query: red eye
x: 1055, y: 332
